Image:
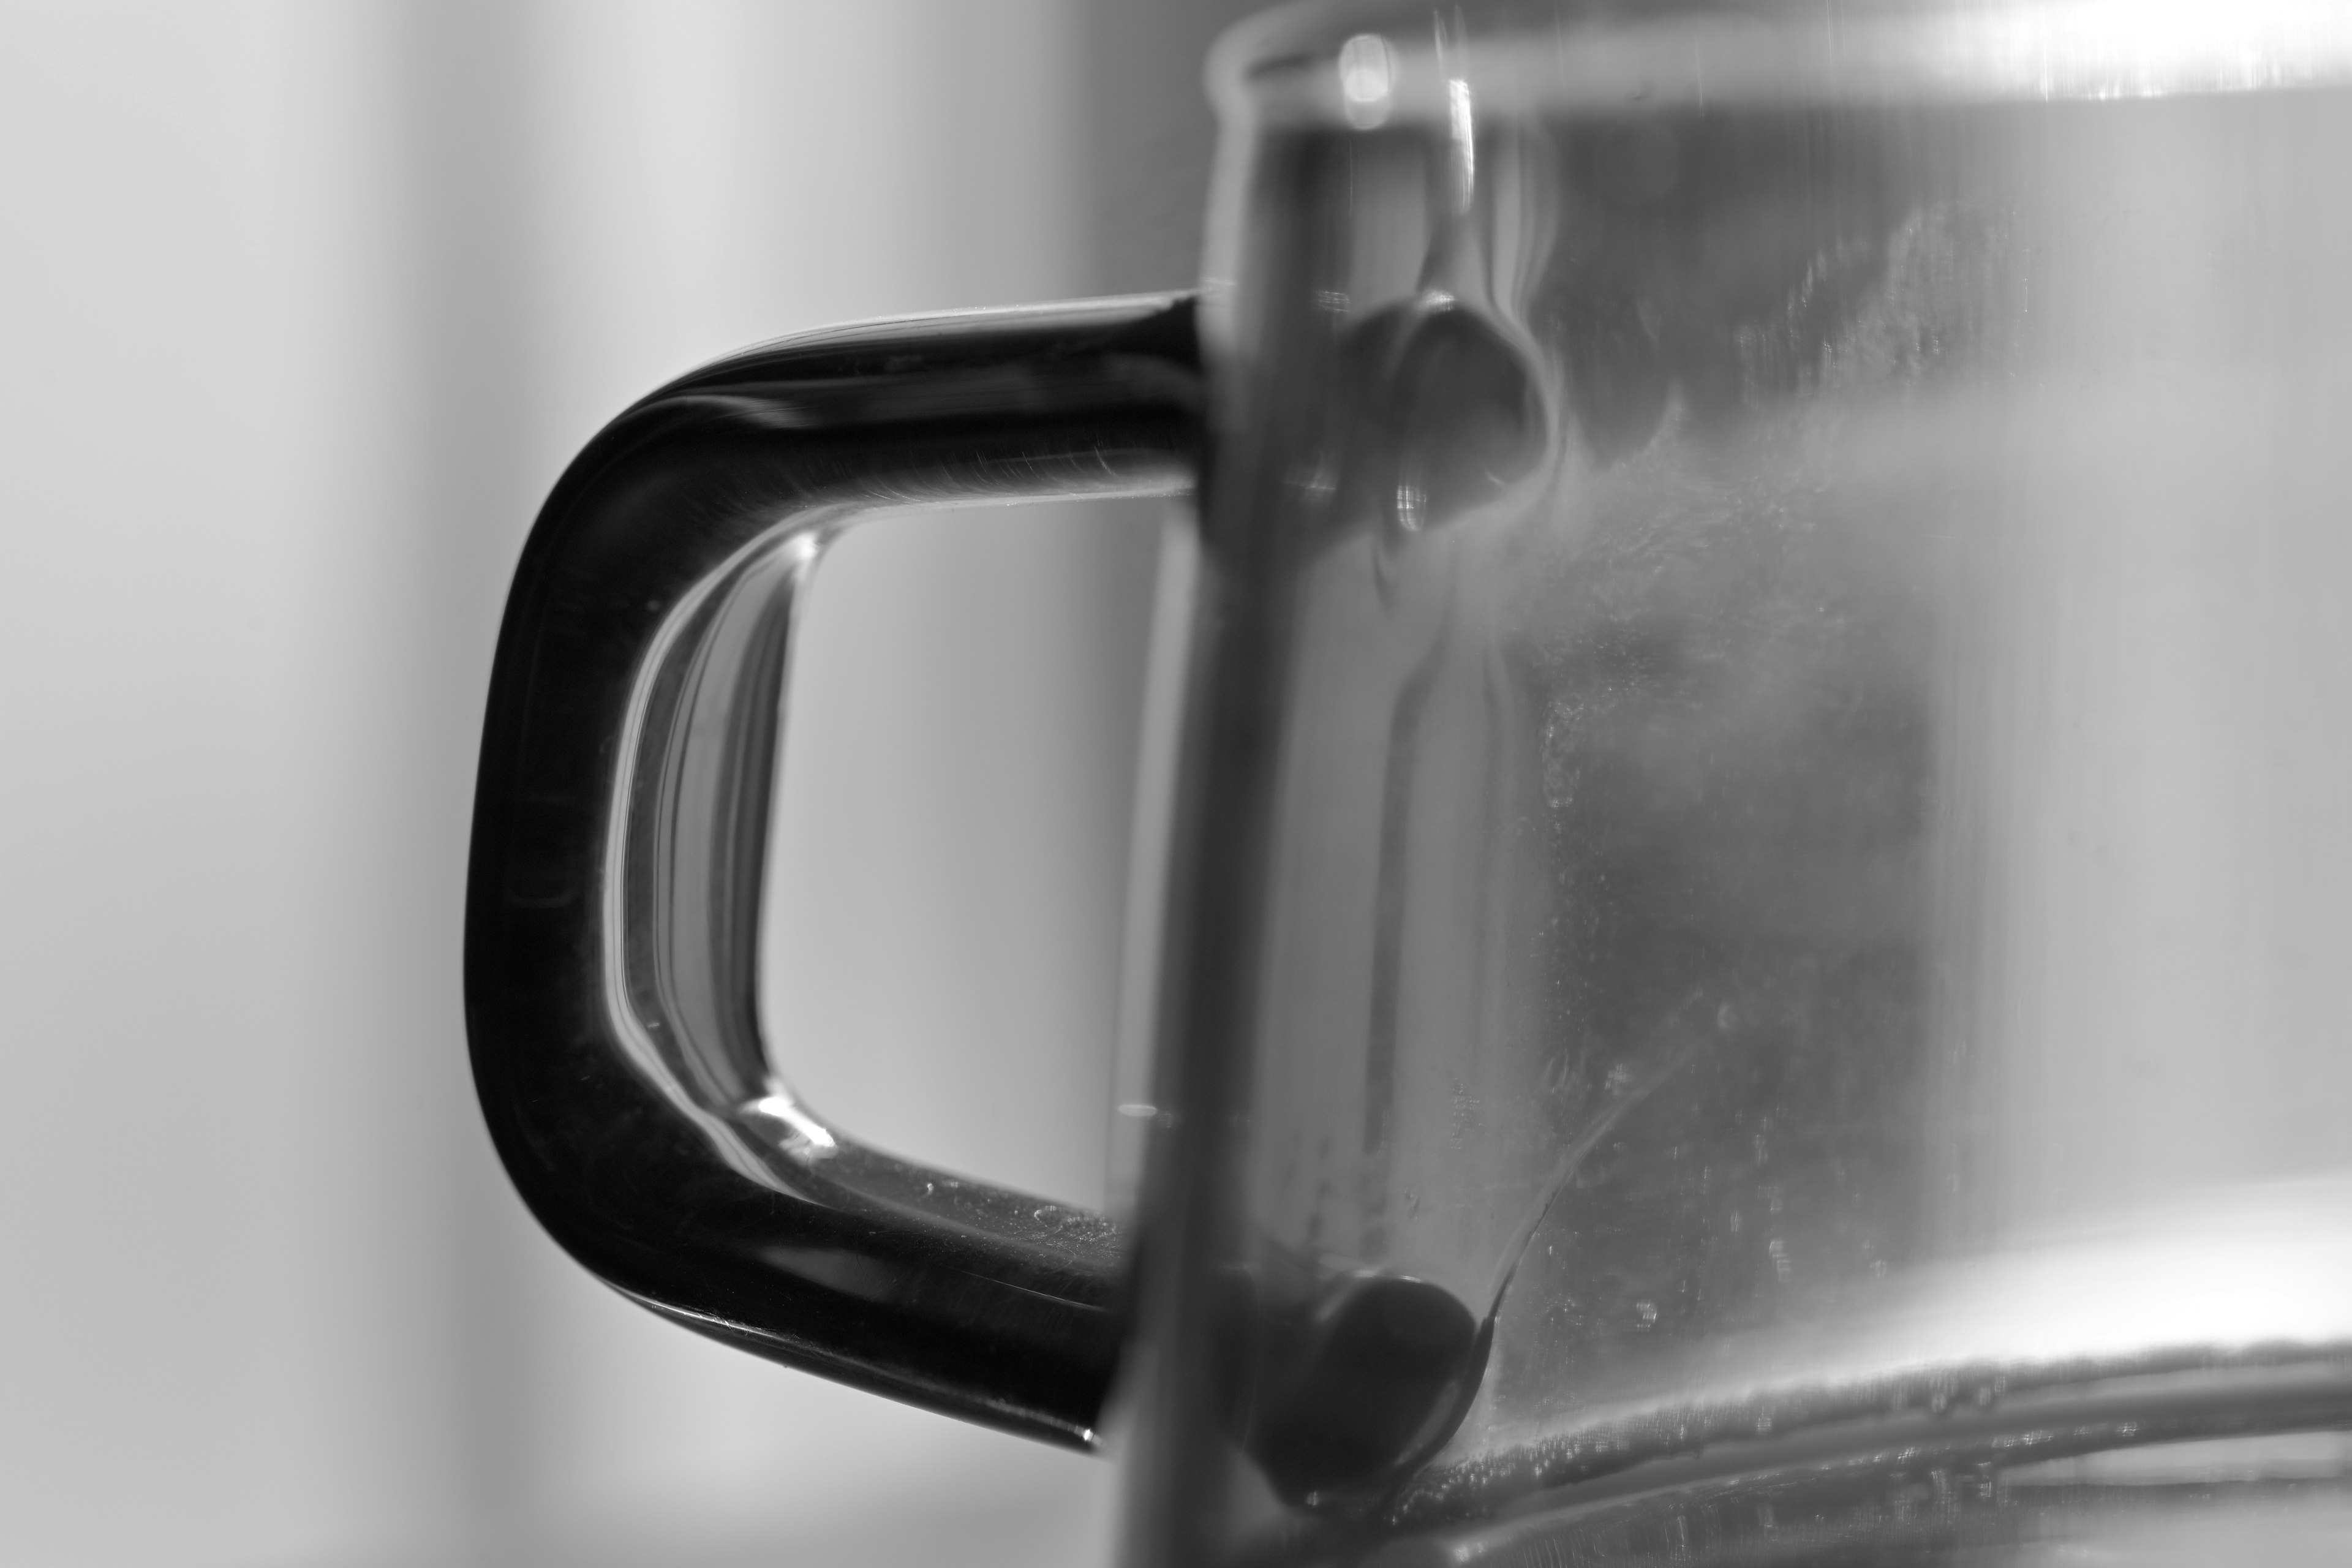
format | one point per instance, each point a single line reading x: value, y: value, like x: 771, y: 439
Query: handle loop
x: 620, y: 826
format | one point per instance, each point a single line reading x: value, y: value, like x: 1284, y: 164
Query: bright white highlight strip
x: 2139, y: 48
x: 804, y: 1136
x: 1367, y: 71
x: 2073, y: 49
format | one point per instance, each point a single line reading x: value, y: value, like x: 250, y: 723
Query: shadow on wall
x: 305, y: 308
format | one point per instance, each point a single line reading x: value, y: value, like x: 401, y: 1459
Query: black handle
x: 620, y: 824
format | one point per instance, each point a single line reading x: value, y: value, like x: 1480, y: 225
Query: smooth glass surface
x: 1799, y: 923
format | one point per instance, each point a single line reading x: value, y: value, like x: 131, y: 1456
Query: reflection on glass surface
x: 1804, y: 919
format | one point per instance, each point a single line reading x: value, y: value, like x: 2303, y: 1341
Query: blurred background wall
x: 302, y: 308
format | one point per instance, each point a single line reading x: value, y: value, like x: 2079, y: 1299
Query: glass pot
x: 1758, y: 920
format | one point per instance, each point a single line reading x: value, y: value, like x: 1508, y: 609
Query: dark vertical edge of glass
x: 619, y: 829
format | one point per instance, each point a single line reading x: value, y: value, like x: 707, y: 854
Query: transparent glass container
x: 1782, y: 685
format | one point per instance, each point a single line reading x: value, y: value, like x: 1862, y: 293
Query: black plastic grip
x: 620, y: 824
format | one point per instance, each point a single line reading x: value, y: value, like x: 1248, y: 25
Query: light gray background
x: 302, y: 308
